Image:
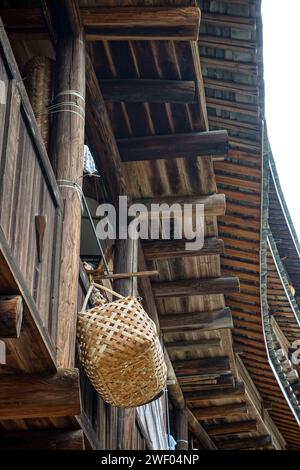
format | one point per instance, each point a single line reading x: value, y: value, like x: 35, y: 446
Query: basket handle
x: 99, y: 286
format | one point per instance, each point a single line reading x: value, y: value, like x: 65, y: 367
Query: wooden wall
x: 28, y: 193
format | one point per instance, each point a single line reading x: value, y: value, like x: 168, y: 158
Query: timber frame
x: 169, y: 100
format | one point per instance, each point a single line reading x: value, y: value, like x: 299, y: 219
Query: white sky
x: 282, y: 87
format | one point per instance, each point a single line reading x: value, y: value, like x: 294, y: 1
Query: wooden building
x: 168, y: 97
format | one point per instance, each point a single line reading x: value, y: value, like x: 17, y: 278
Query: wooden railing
x: 30, y: 204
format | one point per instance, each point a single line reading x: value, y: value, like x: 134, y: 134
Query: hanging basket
x: 120, y: 351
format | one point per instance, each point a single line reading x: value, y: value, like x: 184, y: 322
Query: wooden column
x: 181, y: 429
x: 125, y: 260
x: 67, y: 158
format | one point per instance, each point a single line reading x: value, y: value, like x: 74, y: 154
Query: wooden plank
x: 189, y: 145
x: 235, y: 427
x: 222, y: 411
x: 243, y: 443
x: 171, y: 249
x: 67, y: 139
x: 42, y: 440
x: 38, y: 396
x: 174, y: 388
x: 184, y: 288
x: 146, y: 90
x: 213, y: 320
x: 214, y: 204
x: 197, y: 397
x: 202, y: 344
x: 141, y: 23
x: 39, y: 356
x: 11, y: 314
x: 202, y: 366
x: 199, y: 432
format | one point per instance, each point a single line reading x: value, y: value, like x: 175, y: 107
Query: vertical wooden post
x: 125, y: 260
x: 181, y: 428
x: 67, y: 158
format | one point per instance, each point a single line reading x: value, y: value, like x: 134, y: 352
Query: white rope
x: 66, y: 106
x: 72, y: 185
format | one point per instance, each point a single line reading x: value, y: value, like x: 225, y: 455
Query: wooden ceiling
x: 228, y: 95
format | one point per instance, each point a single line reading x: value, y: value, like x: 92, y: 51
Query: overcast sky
x: 282, y: 88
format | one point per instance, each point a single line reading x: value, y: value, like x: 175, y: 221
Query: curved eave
x: 266, y: 323
x: 288, y: 246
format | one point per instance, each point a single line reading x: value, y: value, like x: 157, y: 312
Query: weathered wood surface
x: 204, y: 365
x: 202, y: 344
x: 173, y: 146
x: 243, y: 443
x: 197, y: 320
x: 170, y: 249
x: 11, y: 314
x: 38, y: 396
x: 141, y: 23
x: 34, y: 350
x: 199, y: 432
x: 146, y: 90
x: 201, y: 396
x: 213, y: 205
x: 222, y: 411
x: 67, y: 141
x: 53, y: 439
x: 235, y: 427
x: 27, y: 180
x: 183, y: 288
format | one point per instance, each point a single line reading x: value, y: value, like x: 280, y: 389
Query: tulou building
x: 142, y: 342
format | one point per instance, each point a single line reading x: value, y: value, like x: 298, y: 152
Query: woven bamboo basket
x: 39, y: 72
x: 120, y: 351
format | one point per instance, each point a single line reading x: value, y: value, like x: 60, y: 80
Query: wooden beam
x: 222, y: 411
x: 243, y: 443
x: 196, y: 345
x: 11, y: 314
x: 181, y: 429
x: 214, y: 205
x: 101, y: 138
x: 40, y: 396
x: 67, y: 139
x: 141, y: 23
x: 213, y: 320
x: 49, y: 439
x: 236, y: 427
x: 174, y: 388
x: 171, y: 249
x: 204, y: 365
x: 197, y: 397
x: 189, y: 145
x: 223, y: 381
x: 199, y: 432
x: 187, y: 287
x: 151, y: 91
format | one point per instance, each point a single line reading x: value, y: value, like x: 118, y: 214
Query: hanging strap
x: 99, y: 286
